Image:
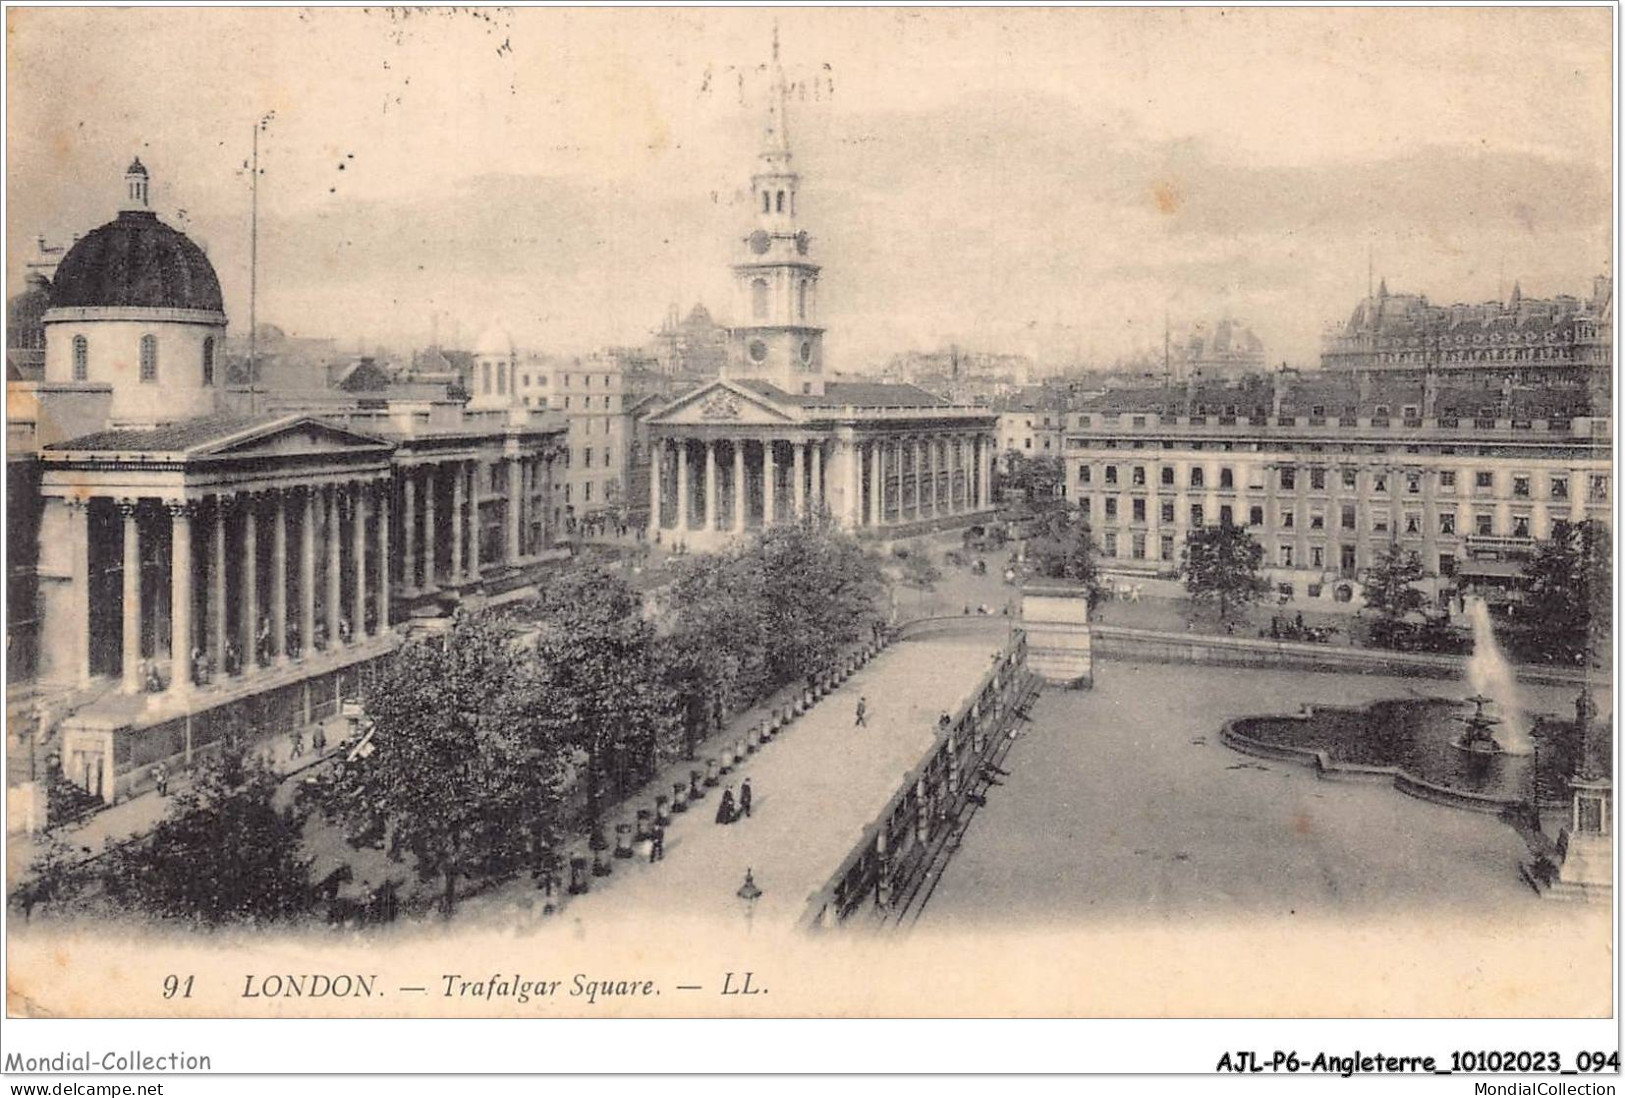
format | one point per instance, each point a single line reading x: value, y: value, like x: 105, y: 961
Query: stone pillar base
x: 1056, y: 618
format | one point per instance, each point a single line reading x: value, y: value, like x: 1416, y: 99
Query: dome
x: 495, y: 343
x: 136, y: 261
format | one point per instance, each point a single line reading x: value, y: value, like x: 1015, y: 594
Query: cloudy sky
x: 1043, y: 181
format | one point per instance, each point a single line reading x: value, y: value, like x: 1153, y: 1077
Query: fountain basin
x: 1418, y: 745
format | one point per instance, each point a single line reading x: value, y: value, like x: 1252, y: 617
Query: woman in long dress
x: 725, y: 810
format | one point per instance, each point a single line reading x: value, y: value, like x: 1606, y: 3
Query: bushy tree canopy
x: 1221, y: 568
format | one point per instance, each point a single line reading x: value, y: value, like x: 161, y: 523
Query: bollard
x: 753, y: 739
x: 773, y: 722
x: 663, y: 811
x: 807, y: 700
x: 739, y: 752
x: 696, y: 785
x: 578, y: 875
x: 644, y: 818
x: 679, y: 796
x: 623, y: 840
x: 600, y: 868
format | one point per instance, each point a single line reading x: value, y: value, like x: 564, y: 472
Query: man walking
x: 657, y: 844
x: 744, y: 799
x: 863, y: 710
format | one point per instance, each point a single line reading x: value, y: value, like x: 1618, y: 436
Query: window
x: 1413, y: 522
x: 1285, y: 556
x: 1484, y: 481
x: 1447, y: 522
x: 801, y: 304
x: 1520, y: 487
x: 1139, y: 510
x: 1111, y: 474
x: 1085, y: 474
x: 586, y: 457
x: 758, y: 298
x: 1168, y: 511
x: 1317, y: 410
x: 1447, y: 564
x: 767, y: 202
x: 1227, y: 478
x: 1486, y: 525
x: 1317, y: 556
x: 1196, y: 477
x: 566, y: 404
x: 1111, y: 508
x: 1255, y: 516
x: 1599, y: 489
x: 1413, y: 483
x: 1137, y: 547
x: 1196, y: 514
x: 1289, y: 479
x: 1166, y: 546
x: 1348, y: 516
x: 1447, y: 480
x: 1138, y: 479
x: 1379, y: 482
x: 586, y: 492
x: 1289, y: 519
x: 1084, y: 507
x: 1168, y: 476
x: 780, y: 202
x: 81, y: 359
x: 1029, y: 443
x: 485, y: 377
x: 1345, y: 555
x: 1111, y: 543
x: 1317, y: 520
x: 1560, y: 487
x: 1317, y: 480
x: 502, y: 380
x: 1350, y: 478
x: 208, y: 360
x: 149, y: 358
x: 1226, y: 515
x: 1520, y: 526
x: 566, y: 493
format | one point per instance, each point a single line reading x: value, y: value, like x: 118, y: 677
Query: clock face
x: 802, y: 242
x: 760, y: 241
x: 758, y: 351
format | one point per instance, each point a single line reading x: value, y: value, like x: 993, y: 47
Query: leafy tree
x: 465, y: 760
x: 1221, y: 568
x: 57, y: 879
x: 715, y: 653
x: 919, y: 572
x: 1568, y: 602
x: 1389, y: 591
x: 598, y: 670
x: 1062, y: 548
x: 1036, y: 477
x: 224, y: 853
x: 820, y: 592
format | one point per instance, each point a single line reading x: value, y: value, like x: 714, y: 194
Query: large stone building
x: 1327, y: 472
x: 186, y: 554
x: 776, y: 439
x: 1554, y: 340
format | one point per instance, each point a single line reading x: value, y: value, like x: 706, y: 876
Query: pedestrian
x: 318, y: 738
x: 163, y: 780
x: 725, y: 810
x: 863, y: 712
x: 744, y: 799
x: 298, y: 744
x: 657, y: 844
x: 156, y: 774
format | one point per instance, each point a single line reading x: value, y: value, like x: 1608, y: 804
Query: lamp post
x: 749, y: 893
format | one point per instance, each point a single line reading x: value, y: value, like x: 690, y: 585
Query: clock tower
x: 776, y: 337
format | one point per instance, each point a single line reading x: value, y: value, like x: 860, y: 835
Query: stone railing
x: 896, y: 849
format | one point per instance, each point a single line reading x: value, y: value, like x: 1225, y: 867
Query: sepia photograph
x: 810, y: 513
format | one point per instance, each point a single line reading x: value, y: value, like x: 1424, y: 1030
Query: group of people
x: 727, y: 813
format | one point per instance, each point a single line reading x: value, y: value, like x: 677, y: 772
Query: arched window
x: 758, y: 298
x: 149, y: 358
x: 208, y: 360
x: 781, y: 201
x: 801, y: 300
x: 81, y: 359
x: 767, y: 202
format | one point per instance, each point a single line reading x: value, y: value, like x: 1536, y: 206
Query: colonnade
x: 447, y: 536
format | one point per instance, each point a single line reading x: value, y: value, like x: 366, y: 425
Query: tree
x: 1036, y: 477
x: 599, y: 673
x: 1220, y: 565
x: 715, y: 652
x: 919, y: 572
x: 820, y: 592
x: 224, y: 853
x: 1063, y: 548
x: 1568, y: 597
x: 464, y: 768
x: 1389, y: 592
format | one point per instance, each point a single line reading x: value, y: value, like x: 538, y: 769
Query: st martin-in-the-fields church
x: 773, y: 439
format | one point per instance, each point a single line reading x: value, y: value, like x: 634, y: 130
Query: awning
x: 1500, y: 569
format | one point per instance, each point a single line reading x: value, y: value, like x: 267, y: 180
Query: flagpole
x: 253, y: 276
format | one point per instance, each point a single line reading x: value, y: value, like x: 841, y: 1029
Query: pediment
x: 723, y: 404
x: 299, y: 437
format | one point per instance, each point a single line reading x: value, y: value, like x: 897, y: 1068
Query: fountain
x: 1490, y: 675
x: 1477, y: 736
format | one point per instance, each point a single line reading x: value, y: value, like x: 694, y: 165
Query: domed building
x: 136, y: 305
x: 496, y: 369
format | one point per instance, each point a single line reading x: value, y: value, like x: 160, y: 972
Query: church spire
x: 776, y: 137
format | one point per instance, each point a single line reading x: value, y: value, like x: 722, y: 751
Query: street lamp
x: 750, y: 894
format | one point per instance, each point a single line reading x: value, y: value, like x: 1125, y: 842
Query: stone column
x: 454, y: 571
x: 335, y: 561
x: 382, y: 561
x: 513, y: 512
x: 919, y: 478
x: 358, y: 562
x: 279, y: 581
x: 933, y: 448
x: 428, y: 528
x: 769, y: 510
x: 307, y: 573
x: 710, y: 485
x: 474, y: 565
x: 217, y: 585
x: 409, y: 563
x: 657, y: 462
x: 78, y: 515
x: 877, y: 452
x: 739, y: 485
x: 817, y: 450
x: 180, y: 586
x: 249, y: 591
x: 682, y: 488
x: 131, y: 677
x: 798, y: 470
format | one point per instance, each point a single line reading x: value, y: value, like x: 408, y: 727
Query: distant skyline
x: 1048, y: 182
